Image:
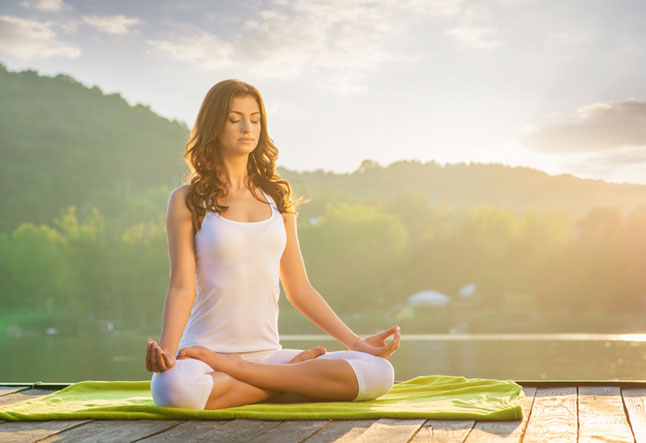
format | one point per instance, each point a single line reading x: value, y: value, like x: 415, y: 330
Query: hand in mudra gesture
x: 376, y: 344
x: 157, y: 359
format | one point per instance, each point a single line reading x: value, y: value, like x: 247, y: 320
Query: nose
x: 246, y: 126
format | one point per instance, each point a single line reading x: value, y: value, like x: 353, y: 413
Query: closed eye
x: 236, y: 121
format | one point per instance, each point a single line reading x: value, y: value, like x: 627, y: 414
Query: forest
x: 533, y: 273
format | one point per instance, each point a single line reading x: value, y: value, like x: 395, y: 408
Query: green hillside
x: 63, y: 143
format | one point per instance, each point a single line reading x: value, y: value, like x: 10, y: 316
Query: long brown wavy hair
x: 204, y: 159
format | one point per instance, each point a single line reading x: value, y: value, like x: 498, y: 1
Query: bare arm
x: 302, y: 295
x: 181, y: 288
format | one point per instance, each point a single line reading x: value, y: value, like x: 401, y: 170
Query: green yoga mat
x: 438, y: 397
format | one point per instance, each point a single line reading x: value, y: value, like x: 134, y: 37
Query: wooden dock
x: 554, y: 411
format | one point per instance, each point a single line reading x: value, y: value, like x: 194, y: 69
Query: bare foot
x: 219, y: 362
x: 309, y: 354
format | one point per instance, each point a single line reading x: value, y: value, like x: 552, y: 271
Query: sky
x: 556, y: 85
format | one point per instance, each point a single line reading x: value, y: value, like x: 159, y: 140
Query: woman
x: 231, y: 236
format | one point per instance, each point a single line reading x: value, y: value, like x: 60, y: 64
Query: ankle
x: 234, y: 363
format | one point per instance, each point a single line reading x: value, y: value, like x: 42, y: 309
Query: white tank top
x: 237, y: 275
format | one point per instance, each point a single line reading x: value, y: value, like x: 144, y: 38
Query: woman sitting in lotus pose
x: 231, y: 237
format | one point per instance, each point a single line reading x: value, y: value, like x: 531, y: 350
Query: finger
x: 167, y: 360
x: 146, y: 359
x: 156, y: 357
x: 149, y: 366
x: 163, y: 362
x: 153, y: 357
x: 159, y: 358
x: 388, y: 332
x: 391, y: 330
x: 396, y: 335
x: 396, y: 338
x: 394, y: 344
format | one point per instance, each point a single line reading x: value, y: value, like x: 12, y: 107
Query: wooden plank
x: 19, y: 431
x: 6, y: 390
x: 290, y: 431
x: 634, y: 400
x: 391, y: 430
x: 113, y: 430
x: 440, y: 431
x: 602, y: 416
x: 507, y: 430
x: 214, y: 430
x: 242, y: 429
x: 554, y: 416
x: 341, y: 431
x: 24, y: 395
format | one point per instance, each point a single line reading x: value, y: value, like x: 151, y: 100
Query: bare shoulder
x: 177, y: 200
x: 181, y: 190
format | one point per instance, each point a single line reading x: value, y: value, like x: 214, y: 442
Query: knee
x: 379, y: 377
x: 386, y: 377
x: 173, y: 388
x: 168, y: 388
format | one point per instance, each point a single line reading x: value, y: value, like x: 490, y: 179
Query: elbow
x: 181, y: 292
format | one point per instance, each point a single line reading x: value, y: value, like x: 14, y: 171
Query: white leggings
x: 188, y: 383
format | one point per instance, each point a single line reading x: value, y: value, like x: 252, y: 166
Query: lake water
x: 60, y: 359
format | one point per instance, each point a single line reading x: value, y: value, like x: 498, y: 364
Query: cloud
x: 112, y: 24
x: 514, y: 2
x: 471, y: 31
x: 436, y: 8
x: 45, y: 5
x: 626, y: 164
x: 205, y: 51
x: 30, y: 39
x: 596, y: 127
x: 473, y: 37
x: 341, y: 41
x: 619, y: 158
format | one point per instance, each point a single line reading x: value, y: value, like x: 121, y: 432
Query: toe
x: 319, y: 350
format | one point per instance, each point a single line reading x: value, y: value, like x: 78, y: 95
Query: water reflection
x: 55, y: 358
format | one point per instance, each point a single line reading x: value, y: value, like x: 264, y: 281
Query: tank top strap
x: 270, y: 200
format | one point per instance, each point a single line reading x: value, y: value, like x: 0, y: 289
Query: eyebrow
x: 243, y: 114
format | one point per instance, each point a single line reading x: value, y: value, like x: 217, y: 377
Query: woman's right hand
x: 158, y: 360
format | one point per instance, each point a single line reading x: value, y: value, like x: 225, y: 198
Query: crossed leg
x: 228, y: 391
x: 238, y: 382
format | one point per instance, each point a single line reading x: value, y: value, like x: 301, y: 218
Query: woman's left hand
x: 376, y: 344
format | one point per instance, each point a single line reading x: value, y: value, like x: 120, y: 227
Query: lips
x: 246, y: 139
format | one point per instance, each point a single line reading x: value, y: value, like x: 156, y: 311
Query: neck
x: 234, y: 173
